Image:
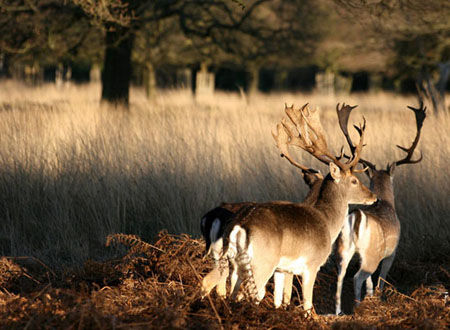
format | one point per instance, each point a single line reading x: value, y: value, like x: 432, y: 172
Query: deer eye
x: 354, y: 181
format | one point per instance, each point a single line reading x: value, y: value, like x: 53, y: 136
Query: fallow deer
x: 374, y: 231
x: 295, y: 238
x: 214, y: 222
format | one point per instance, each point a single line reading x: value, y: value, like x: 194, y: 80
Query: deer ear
x: 391, y: 169
x: 335, y: 172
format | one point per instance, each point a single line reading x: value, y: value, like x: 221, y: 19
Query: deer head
x: 381, y: 180
x: 420, y: 114
x: 302, y: 128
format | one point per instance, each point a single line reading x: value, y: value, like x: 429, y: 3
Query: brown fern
x: 134, y: 242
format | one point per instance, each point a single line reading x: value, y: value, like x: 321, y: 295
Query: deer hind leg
x: 234, y: 275
x: 216, y: 277
x: 239, y: 252
x: 221, y: 288
x: 385, y: 267
x: 262, y: 272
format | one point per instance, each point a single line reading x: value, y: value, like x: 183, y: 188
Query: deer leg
x: 234, y: 293
x: 385, y: 267
x: 358, y: 280
x: 210, y: 281
x: 219, y: 273
x: 262, y: 272
x: 345, y: 252
x: 308, y: 279
x: 287, y: 290
x: 234, y: 276
x: 278, y: 280
x: 221, y: 288
x: 369, y: 286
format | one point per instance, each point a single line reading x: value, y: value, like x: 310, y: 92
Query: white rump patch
x: 364, y: 231
x: 237, y: 241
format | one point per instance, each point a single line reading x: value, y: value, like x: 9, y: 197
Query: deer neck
x: 332, y: 201
x: 384, y: 189
x: 313, y: 194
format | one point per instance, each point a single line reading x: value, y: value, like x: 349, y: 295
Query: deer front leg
x: 385, y: 267
x: 346, y: 250
x: 278, y: 281
x: 308, y: 279
x: 358, y: 281
x: 287, y: 290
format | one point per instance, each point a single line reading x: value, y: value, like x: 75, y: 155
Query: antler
x: 283, y: 139
x: 305, y: 131
x: 343, y: 115
x: 420, y: 114
x: 286, y: 135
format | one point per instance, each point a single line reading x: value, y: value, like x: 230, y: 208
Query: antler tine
x: 343, y: 115
x: 357, y: 153
x: 296, y: 131
x: 420, y: 114
x: 282, y: 140
x: 317, y: 143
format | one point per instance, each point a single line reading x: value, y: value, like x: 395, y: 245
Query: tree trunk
x: 117, y: 67
x: 95, y: 73
x: 204, y: 81
x: 253, y: 80
x: 150, y: 81
x: 434, y: 93
x: 325, y: 82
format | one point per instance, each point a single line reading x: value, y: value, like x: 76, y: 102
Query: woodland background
x: 139, y: 116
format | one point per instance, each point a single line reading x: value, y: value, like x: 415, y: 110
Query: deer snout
x: 372, y: 199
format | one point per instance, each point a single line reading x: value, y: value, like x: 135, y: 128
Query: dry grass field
x: 73, y: 171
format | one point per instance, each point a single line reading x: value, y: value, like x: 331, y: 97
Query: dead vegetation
x: 157, y: 286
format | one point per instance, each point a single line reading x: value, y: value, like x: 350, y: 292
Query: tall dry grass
x: 73, y: 171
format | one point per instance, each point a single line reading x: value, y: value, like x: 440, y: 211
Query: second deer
x: 373, y: 231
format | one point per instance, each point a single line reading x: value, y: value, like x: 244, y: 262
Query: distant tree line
x: 261, y: 44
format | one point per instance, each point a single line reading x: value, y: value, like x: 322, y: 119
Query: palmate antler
x: 303, y: 129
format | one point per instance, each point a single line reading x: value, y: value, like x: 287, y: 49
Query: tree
x: 277, y: 33
x: 419, y: 34
x: 121, y: 20
x: 44, y: 32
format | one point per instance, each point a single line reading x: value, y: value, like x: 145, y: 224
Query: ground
x: 157, y: 286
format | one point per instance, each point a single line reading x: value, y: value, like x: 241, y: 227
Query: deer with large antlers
x: 295, y: 238
x: 373, y: 231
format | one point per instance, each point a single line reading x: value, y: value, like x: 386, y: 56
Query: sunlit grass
x: 73, y: 171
